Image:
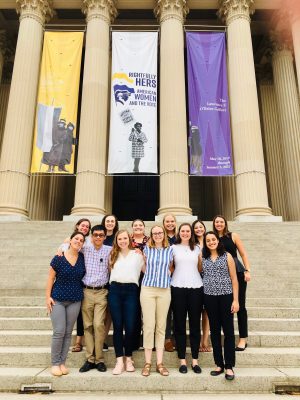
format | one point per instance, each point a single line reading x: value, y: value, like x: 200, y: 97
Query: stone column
x: 17, y: 141
x: 38, y: 197
x: 294, y: 11
x: 251, y: 187
x: 92, y: 150
x: 229, y: 197
x: 174, y: 179
x: 273, y: 147
x: 2, y: 51
x: 289, y: 120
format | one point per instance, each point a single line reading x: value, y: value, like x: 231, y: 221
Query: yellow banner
x: 56, y: 115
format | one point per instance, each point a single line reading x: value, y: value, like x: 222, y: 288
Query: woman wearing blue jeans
x: 123, y: 298
x: 64, y: 293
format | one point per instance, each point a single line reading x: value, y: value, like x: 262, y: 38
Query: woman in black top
x: 232, y: 242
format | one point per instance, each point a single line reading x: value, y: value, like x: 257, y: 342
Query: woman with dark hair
x: 169, y: 223
x: 123, y: 298
x: 221, y: 301
x: 64, y: 293
x: 199, y: 230
x: 156, y: 297
x: 111, y: 224
x: 232, y: 242
x: 187, y: 296
x: 83, y: 226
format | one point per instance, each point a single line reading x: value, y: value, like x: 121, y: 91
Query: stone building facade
x: 263, y: 44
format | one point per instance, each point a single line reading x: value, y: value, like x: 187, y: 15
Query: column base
x: 95, y: 218
x: 175, y: 210
x: 87, y: 210
x: 179, y: 218
x: 258, y: 218
x: 13, y: 218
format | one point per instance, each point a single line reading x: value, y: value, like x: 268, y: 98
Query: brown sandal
x: 146, y: 369
x: 77, y: 348
x: 161, y: 369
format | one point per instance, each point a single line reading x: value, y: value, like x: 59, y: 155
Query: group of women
x: 187, y: 272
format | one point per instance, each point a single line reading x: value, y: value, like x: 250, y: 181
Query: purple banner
x: 209, y: 119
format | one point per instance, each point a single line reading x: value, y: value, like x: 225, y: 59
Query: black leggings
x: 79, y: 324
x: 242, y: 315
x: 185, y: 302
x: 220, y: 317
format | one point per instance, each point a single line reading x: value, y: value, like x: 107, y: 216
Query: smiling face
x: 98, y: 238
x: 158, y: 235
x: 219, y: 224
x: 138, y: 228
x: 123, y: 240
x: 199, y: 230
x: 185, y: 233
x: 170, y: 224
x: 211, y: 241
x: 76, y: 242
x: 83, y: 227
x: 110, y: 222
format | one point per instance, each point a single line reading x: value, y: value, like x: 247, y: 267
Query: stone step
x: 37, y: 300
x: 255, y: 356
x: 255, y: 312
x: 248, y: 380
x: 41, y: 338
x: 255, y: 324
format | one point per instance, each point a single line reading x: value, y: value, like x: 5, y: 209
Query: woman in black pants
x: 221, y: 301
x: 232, y: 243
x: 187, y: 296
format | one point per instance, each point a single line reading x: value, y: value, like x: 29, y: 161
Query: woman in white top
x: 123, y: 298
x: 187, y: 296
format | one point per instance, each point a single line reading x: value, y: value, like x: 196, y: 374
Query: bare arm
x: 172, y: 267
x: 240, y: 246
x: 200, y: 268
x: 50, y: 281
x: 235, y: 284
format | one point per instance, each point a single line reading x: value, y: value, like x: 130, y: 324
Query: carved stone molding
x: 230, y: 10
x: 281, y: 41
x: 102, y: 9
x: 40, y: 10
x: 171, y: 9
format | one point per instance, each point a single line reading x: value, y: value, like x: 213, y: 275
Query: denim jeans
x: 123, y: 300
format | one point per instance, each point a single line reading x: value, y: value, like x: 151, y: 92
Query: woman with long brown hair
x: 123, y: 298
x: 233, y: 243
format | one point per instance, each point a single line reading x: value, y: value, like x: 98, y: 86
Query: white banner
x: 133, y: 115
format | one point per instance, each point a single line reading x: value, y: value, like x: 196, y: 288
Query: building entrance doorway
x: 135, y: 197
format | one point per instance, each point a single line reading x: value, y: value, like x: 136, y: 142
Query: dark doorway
x: 135, y: 197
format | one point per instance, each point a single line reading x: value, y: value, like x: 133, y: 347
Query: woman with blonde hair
x: 123, y: 298
x: 156, y: 297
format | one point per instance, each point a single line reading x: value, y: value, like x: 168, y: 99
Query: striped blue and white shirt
x: 157, y: 272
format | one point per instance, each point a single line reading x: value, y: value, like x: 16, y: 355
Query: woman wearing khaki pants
x: 156, y: 297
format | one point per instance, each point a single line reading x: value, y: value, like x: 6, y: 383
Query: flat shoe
x: 217, y: 373
x: 169, y: 346
x: 119, y: 368
x: 77, y: 348
x: 64, y: 370
x: 162, y: 370
x: 197, y: 369
x: 241, y: 348
x: 129, y: 366
x: 146, y: 369
x: 183, y: 369
x: 229, y: 377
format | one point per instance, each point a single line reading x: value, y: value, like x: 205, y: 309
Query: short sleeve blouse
x: 186, y: 274
x: 68, y: 283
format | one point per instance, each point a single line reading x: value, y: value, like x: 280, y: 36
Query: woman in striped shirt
x: 156, y: 297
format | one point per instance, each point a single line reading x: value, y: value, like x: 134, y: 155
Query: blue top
x: 68, y: 284
x: 157, y: 272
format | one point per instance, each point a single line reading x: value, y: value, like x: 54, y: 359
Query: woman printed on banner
x: 138, y: 138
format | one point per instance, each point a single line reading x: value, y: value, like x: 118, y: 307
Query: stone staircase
x: 272, y: 359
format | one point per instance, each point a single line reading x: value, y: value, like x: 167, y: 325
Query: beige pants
x: 155, y: 304
x: 93, y: 314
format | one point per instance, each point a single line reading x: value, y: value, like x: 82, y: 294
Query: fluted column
x: 273, y: 147
x: 174, y: 180
x: 2, y: 50
x: 294, y: 12
x: 251, y: 187
x: 17, y: 141
x: 38, y: 197
x: 229, y: 197
x: 289, y: 120
x: 91, y: 166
